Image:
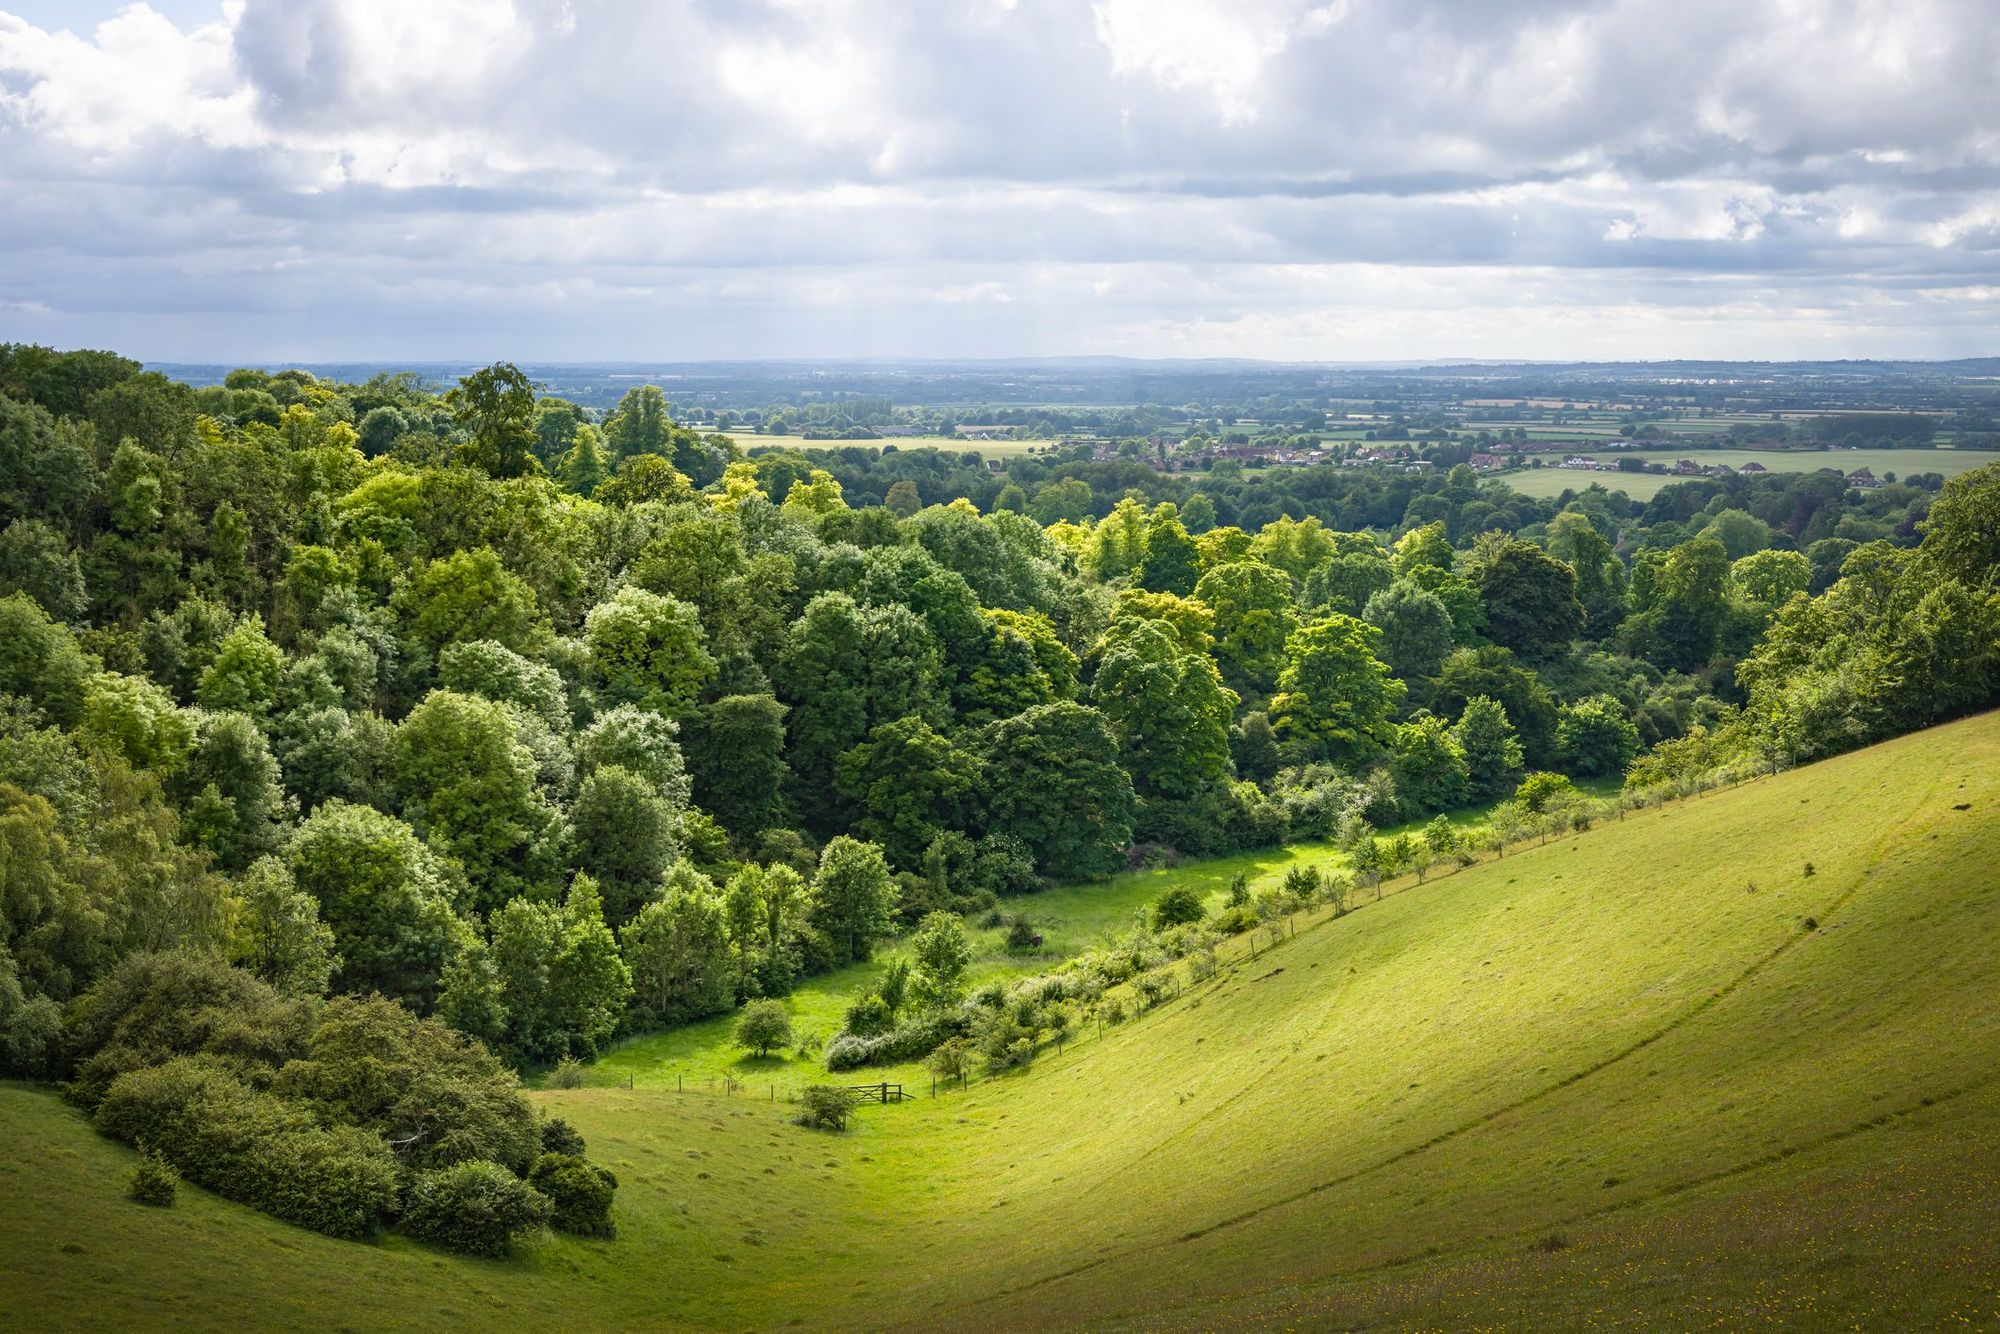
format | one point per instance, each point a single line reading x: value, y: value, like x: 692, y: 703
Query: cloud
x: 694, y: 178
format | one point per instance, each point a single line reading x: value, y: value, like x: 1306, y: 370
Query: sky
x: 1351, y: 180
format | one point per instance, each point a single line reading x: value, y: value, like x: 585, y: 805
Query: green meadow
x: 1551, y: 481
x: 1729, y: 1062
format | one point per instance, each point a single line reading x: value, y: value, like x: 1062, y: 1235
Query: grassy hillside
x: 1071, y: 919
x: 1658, y: 1071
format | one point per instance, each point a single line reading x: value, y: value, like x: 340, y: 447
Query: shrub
x: 764, y: 1025
x: 254, y: 1148
x: 1155, y: 986
x: 568, y: 1074
x: 1021, y: 935
x: 1177, y: 906
x: 906, y: 1042
x: 154, y: 1181
x: 951, y: 1060
x: 475, y: 1208
x: 1234, y: 921
x: 559, y: 1136
x: 1301, y: 885
x: 579, y: 1194
x: 824, y: 1107
x: 868, y: 1016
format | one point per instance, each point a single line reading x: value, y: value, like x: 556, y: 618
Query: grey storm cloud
x: 1289, y: 178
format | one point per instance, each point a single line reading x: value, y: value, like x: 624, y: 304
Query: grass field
x: 1548, y: 481
x: 1071, y: 919
x: 992, y: 449
x: 1730, y: 1063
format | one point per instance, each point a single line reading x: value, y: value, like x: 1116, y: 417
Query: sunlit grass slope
x: 1657, y: 1072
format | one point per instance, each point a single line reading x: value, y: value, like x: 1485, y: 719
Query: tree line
x: 545, y: 723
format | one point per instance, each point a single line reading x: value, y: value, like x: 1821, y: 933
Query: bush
x: 568, y: 1074
x: 1176, y: 907
x: 824, y: 1107
x: 1235, y: 921
x: 475, y: 1208
x: 906, y: 1042
x: 764, y: 1025
x: 559, y: 1136
x: 254, y: 1148
x: 1021, y: 935
x: 579, y: 1194
x: 154, y: 1181
x: 868, y: 1016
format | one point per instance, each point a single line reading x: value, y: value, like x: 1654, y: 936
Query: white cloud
x: 1275, y: 177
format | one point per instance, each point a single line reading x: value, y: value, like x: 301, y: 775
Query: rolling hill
x: 1724, y: 1062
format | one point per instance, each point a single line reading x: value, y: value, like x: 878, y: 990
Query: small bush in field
x: 824, y: 1107
x: 154, y: 1181
x: 568, y: 1074
x: 764, y: 1027
x: 1177, y: 907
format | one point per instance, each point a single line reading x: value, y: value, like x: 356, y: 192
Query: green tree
x: 137, y: 720
x: 1168, y: 708
x: 1347, y: 581
x: 1600, y: 577
x: 853, y: 898
x: 846, y: 670
x: 1596, y: 737
x: 942, y: 955
x: 231, y: 791
x: 1962, y: 530
x: 763, y: 1027
x: 244, y: 675
x: 562, y: 980
x: 903, y: 499
x: 1492, y: 751
x: 469, y: 595
x: 911, y: 783
x: 627, y: 835
x: 1172, y: 563
x: 641, y: 424
x: 40, y: 660
x: 648, y: 649
x: 677, y: 950
x: 1690, y: 602
x: 1334, y: 695
x: 495, y: 407
x: 1741, y: 534
x: 1429, y: 765
x: 1768, y: 579
x: 735, y: 758
x: 1054, y: 784
x: 278, y: 934
x: 385, y: 897
x: 469, y: 784
x: 1254, y: 620
x: 1416, y: 629
x: 37, y: 560
x: 1531, y: 604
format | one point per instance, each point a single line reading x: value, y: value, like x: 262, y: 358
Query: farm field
x: 1549, y: 481
x: 992, y: 449
x: 1729, y: 1062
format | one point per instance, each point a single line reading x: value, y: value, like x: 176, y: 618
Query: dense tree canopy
x: 551, y: 720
